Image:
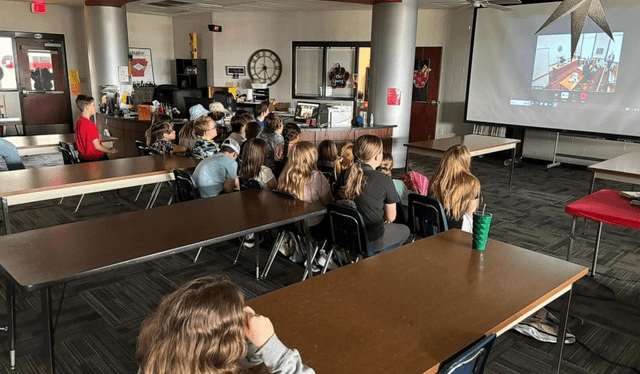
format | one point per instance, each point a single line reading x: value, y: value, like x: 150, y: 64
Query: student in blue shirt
x: 261, y: 112
x: 219, y: 173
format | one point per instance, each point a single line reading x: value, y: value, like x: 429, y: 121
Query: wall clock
x: 265, y: 66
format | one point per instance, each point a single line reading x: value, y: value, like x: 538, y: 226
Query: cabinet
x: 191, y: 73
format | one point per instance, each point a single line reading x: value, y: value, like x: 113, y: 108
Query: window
x: 7, y: 65
x: 41, y: 71
x: 330, y: 70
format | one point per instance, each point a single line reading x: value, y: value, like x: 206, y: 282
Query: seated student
x: 198, y: 134
x: 456, y: 188
x: 218, y: 173
x: 327, y: 157
x: 87, y: 137
x: 204, y: 327
x: 401, y: 188
x: 339, y: 168
x: 261, y: 113
x: 374, y: 194
x: 161, y: 134
x: 9, y: 152
x: 238, y: 129
x: 253, y: 129
x: 291, y: 135
x: 254, y: 155
x: 272, y: 134
x: 301, y: 177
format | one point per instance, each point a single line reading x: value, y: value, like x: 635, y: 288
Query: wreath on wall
x: 421, y: 77
x: 339, y: 77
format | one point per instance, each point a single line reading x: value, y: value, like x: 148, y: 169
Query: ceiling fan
x: 465, y: 4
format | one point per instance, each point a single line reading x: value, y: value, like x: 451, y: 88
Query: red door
x: 426, y: 83
x: 44, y: 83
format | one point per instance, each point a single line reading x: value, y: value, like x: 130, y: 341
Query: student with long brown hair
x: 328, y: 157
x: 204, y: 328
x: 374, y: 194
x: 456, y: 188
x: 254, y: 156
x: 198, y: 135
x: 272, y: 134
x: 301, y: 177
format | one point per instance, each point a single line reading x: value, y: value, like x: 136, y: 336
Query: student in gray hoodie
x: 204, y: 328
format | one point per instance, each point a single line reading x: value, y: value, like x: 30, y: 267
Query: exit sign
x: 39, y: 8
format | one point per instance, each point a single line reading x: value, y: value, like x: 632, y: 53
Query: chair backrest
x: 249, y: 184
x: 69, y: 155
x: 426, y: 216
x: 143, y: 149
x: 473, y: 360
x: 348, y: 230
x: 186, y: 189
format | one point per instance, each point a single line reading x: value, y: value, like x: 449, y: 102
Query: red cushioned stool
x: 604, y: 206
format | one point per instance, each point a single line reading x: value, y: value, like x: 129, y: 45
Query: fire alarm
x: 39, y: 8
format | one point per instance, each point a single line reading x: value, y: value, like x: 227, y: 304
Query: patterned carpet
x: 100, y: 316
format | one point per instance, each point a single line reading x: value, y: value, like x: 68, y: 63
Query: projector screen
x: 521, y: 78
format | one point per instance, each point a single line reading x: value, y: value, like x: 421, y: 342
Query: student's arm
x: 327, y: 198
x: 100, y: 147
x: 230, y: 184
x: 389, y: 213
x: 272, y: 184
x: 472, y: 206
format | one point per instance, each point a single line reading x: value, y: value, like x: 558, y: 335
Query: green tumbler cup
x: 480, y: 232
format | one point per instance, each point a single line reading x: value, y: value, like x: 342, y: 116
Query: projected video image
x: 593, y: 68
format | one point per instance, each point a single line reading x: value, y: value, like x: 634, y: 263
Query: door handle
x: 24, y: 91
x: 434, y: 102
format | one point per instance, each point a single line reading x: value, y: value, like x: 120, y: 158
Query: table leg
x: 47, y: 327
x: 513, y: 163
x: 406, y: 162
x: 571, y: 236
x: 11, y: 325
x: 595, y: 253
x: 255, y: 239
x: 562, y: 330
x: 154, y: 195
x: 307, y: 239
x: 5, y: 216
x: 593, y: 183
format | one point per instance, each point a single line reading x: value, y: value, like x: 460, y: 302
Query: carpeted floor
x: 100, y: 316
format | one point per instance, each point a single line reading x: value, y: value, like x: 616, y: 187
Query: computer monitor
x: 305, y: 110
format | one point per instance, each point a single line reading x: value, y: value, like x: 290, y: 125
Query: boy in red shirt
x: 87, y: 136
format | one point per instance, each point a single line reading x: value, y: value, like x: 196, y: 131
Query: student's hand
x: 257, y: 328
x: 113, y: 151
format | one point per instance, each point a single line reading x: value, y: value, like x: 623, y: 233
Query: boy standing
x: 87, y: 137
x: 219, y: 172
x: 262, y: 111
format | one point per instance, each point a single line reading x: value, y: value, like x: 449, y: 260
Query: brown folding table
x: 42, y: 258
x: 411, y: 309
x: 39, y: 144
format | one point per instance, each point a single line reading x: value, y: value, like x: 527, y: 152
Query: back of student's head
x: 452, y: 182
x: 366, y: 148
x: 190, y: 132
x: 198, y: 327
x: 160, y: 125
x: 299, y: 169
x: 346, y: 158
x: 253, y: 129
x: 247, y: 117
x: 327, y: 151
x: 254, y: 155
x: 387, y: 164
x: 272, y: 123
x: 237, y: 122
x: 83, y: 101
x: 290, y: 133
x: 261, y: 109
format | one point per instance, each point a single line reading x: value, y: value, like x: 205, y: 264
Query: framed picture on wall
x: 141, y: 65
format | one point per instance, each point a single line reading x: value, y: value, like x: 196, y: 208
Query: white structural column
x: 393, y: 48
x: 108, y: 44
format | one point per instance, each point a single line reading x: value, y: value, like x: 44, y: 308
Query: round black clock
x: 265, y: 66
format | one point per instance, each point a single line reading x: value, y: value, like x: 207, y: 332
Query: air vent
x: 167, y: 3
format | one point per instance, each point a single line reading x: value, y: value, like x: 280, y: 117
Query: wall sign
x: 141, y: 65
x: 393, y: 96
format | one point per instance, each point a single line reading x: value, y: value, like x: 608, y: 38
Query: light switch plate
x: 123, y: 74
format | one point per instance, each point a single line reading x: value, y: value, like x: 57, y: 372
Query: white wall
x: 155, y: 32
x: 59, y: 19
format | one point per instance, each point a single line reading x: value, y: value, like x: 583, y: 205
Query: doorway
x: 426, y: 84
x: 43, y: 84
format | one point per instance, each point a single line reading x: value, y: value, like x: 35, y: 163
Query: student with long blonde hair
x: 254, y: 156
x: 374, y: 194
x: 456, y: 188
x: 204, y: 328
x: 301, y: 177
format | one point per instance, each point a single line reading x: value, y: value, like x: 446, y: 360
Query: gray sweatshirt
x: 278, y: 358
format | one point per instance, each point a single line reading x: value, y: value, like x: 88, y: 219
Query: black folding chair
x: 426, y: 216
